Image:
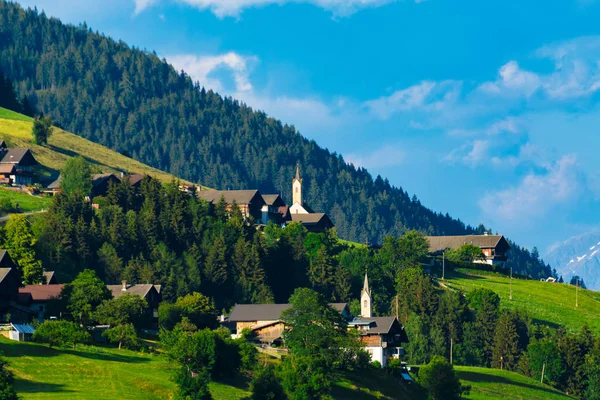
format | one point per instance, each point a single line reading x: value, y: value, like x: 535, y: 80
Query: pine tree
x: 505, y: 351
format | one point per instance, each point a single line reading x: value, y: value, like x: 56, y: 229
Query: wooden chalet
x: 149, y: 292
x: 315, y: 222
x: 494, y: 247
x: 38, y: 298
x: 16, y: 165
x: 250, y: 202
x: 265, y: 319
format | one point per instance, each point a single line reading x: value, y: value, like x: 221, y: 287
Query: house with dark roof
x: 265, y: 319
x: 148, y: 292
x: 40, y: 298
x: 382, y: 336
x: 316, y: 222
x: 250, y: 202
x: 494, y: 247
x: 16, y: 165
x: 274, y: 210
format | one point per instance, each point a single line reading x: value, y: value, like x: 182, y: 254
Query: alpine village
x: 180, y: 245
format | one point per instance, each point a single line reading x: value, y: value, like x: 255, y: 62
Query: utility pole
x: 396, y: 305
x: 577, y: 292
x: 451, y: 345
x: 443, y: 264
x: 543, y: 370
x: 510, y: 283
x: 501, y: 362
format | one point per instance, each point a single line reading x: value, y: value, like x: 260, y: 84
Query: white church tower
x: 365, y: 300
x: 297, y: 188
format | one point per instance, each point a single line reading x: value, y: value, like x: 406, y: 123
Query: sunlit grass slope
x: 15, y: 129
x: 552, y: 304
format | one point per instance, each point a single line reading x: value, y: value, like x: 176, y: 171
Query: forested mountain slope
x: 134, y: 102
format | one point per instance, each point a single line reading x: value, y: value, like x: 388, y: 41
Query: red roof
x: 42, y: 292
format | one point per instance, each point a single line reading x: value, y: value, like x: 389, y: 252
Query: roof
x: 266, y: 312
x: 134, y: 179
x: 441, y: 243
x: 379, y: 325
x: 5, y: 259
x: 55, y: 184
x: 22, y: 328
x: 42, y: 292
x: 271, y: 199
x: 7, y: 168
x: 309, y: 219
x: 139, y: 290
x: 98, y: 179
x: 4, y: 273
x: 239, y: 196
x: 20, y: 156
x: 49, y: 275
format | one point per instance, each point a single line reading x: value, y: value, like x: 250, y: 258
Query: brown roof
x: 239, y: 196
x: 3, y: 273
x: 441, y: 243
x: 140, y: 290
x: 271, y: 199
x: 42, y: 292
x: 308, y: 219
x: 7, y: 168
x: 49, y: 275
x: 19, y: 156
x: 266, y: 312
x: 134, y: 179
x: 97, y: 179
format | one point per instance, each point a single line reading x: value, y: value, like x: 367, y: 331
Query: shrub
x: 265, y: 386
x: 7, y: 379
x: 376, y: 364
x: 5, y: 204
x: 440, y: 381
x: 61, y: 333
x: 192, y: 386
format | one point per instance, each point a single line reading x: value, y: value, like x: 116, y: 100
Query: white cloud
x: 513, y: 80
x: 200, y: 68
x: 426, y: 96
x: 537, y: 194
x: 233, y: 8
x: 386, y: 156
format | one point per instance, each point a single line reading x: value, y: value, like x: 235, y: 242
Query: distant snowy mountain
x: 579, y: 255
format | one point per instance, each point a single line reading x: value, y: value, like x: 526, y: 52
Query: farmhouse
x: 148, y: 292
x: 39, y: 299
x: 250, y: 202
x: 381, y: 336
x: 16, y: 165
x: 494, y: 247
x: 265, y: 319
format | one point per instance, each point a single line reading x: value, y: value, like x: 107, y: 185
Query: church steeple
x: 297, y: 187
x: 365, y: 300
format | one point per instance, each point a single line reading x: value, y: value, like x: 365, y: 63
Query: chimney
x: 122, y: 174
x: 124, y: 288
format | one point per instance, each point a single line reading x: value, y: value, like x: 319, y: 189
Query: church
x: 381, y: 336
x: 265, y: 208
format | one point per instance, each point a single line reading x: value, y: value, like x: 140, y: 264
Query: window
x: 296, y: 189
x: 366, y: 304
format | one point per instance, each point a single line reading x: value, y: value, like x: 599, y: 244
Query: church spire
x: 297, y: 187
x: 365, y: 300
x: 297, y: 172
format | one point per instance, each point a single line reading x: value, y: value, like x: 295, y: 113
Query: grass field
x: 94, y: 373
x: 551, y: 304
x: 495, y: 384
x: 26, y: 202
x: 15, y: 129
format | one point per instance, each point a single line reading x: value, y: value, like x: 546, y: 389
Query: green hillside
x: 552, y: 304
x: 495, y: 384
x: 15, y: 129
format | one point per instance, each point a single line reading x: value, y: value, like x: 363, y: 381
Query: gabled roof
x: 134, y: 179
x: 3, y: 145
x: 43, y: 292
x: 5, y: 260
x: 239, y: 196
x: 139, y: 290
x: 273, y: 200
x: 7, y: 168
x: 377, y: 325
x: 266, y: 312
x: 4, y: 273
x: 441, y: 243
x: 310, y: 219
x: 49, y: 275
x: 22, y: 328
x: 98, y: 179
x: 21, y: 156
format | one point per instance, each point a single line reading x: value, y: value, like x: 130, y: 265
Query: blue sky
x: 488, y: 110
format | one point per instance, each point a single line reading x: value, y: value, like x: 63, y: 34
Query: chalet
x: 274, y: 209
x: 39, y: 299
x: 494, y: 247
x: 10, y: 299
x: 101, y: 183
x: 16, y: 165
x: 381, y: 336
x: 148, y: 292
x: 250, y: 202
x: 265, y: 319
x: 316, y: 222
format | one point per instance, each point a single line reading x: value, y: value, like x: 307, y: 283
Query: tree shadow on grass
x: 481, y: 377
x: 19, y: 349
x: 240, y: 381
x: 27, y: 386
x: 345, y: 393
x: 99, y: 354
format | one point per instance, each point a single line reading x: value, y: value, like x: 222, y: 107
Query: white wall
x: 377, y: 354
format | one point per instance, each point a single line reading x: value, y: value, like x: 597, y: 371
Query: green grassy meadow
x: 495, y: 384
x: 552, y: 304
x: 15, y: 129
x: 26, y: 201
